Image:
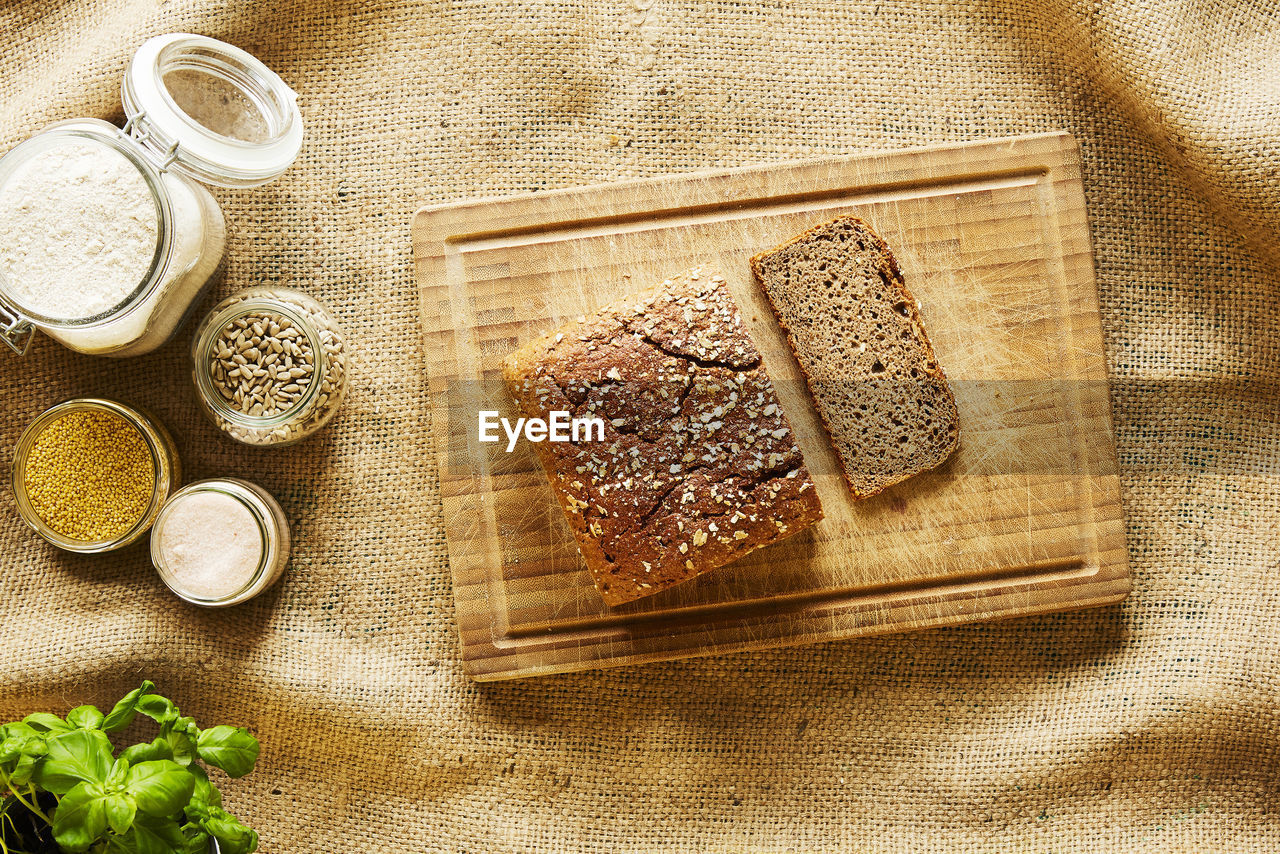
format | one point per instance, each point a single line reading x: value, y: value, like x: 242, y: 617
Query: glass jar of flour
x: 107, y: 236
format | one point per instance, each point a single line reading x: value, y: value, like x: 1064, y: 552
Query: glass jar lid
x: 211, y: 110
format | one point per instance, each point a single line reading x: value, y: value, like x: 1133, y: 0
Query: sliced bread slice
x: 857, y: 335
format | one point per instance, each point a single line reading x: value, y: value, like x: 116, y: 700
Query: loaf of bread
x: 698, y: 465
x: 857, y: 335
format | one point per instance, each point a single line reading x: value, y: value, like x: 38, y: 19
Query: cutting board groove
x: 1024, y: 519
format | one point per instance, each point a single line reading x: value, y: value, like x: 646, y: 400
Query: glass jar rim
x: 116, y: 140
x: 153, y: 435
x: 185, y: 143
x: 202, y: 354
x: 246, y: 494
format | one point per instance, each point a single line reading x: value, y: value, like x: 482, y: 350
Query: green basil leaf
x: 152, y: 835
x: 148, y: 752
x: 86, y: 717
x: 45, y: 722
x: 10, y: 750
x: 161, y: 787
x: 18, y: 746
x: 159, y: 709
x: 121, y: 845
x: 206, y: 794
x: 80, y: 817
x: 187, y: 727
x: 123, y: 713
x: 233, y: 837
x: 115, y: 777
x: 197, y: 840
x: 23, y: 770
x: 233, y: 749
x: 196, y: 810
x: 120, y: 812
x: 81, y: 755
x: 17, y: 729
x: 181, y: 747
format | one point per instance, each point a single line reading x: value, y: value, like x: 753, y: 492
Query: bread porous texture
x: 857, y: 335
x: 698, y: 465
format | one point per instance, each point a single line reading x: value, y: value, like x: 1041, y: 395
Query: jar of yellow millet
x: 90, y: 474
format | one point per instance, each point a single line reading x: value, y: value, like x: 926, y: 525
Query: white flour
x: 78, y: 230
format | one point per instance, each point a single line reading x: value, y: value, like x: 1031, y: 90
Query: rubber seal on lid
x: 211, y: 110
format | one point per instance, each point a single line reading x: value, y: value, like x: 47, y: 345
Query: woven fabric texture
x: 1152, y: 726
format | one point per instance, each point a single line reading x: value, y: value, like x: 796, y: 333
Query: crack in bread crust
x: 701, y: 363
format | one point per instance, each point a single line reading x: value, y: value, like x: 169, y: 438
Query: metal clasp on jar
x: 15, y: 329
x: 135, y: 130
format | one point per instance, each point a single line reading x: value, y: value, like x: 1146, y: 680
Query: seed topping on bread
x: 698, y: 465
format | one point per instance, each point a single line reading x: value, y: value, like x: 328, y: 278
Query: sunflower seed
x: 263, y: 364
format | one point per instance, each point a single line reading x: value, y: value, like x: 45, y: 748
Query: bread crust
x: 698, y: 466
x: 891, y: 274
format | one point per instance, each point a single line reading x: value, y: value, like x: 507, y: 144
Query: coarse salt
x: 211, y: 545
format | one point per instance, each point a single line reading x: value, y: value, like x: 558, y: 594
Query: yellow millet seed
x: 89, y: 476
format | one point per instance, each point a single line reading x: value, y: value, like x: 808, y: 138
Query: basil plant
x: 64, y: 789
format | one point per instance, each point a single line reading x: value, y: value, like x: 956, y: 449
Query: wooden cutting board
x: 1025, y: 518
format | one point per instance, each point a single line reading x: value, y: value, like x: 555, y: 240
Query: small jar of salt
x: 220, y: 542
x: 108, y: 237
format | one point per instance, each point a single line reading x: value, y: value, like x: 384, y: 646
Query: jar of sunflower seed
x: 270, y: 365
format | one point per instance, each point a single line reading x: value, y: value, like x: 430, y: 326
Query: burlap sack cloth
x: 1148, y: 727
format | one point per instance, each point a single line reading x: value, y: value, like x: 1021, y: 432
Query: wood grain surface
x: 993, y: 241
